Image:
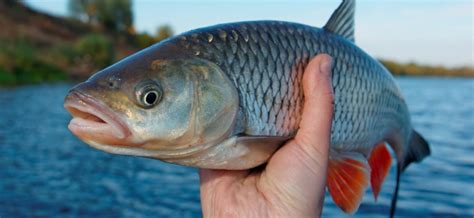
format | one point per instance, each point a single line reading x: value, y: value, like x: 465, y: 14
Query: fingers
x: 298, y: 169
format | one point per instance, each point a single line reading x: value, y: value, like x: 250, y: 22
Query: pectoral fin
x: 260, y: 148
x: 245, y: 152
x: 235, y: 153
x: 348, y: 178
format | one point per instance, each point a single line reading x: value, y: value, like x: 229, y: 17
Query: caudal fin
x: 417, y: 150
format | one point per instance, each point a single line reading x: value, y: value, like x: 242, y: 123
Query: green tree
x: 163, y: 32
x: 113, y: 15
x: 96, y: 49
x: 85, y: 10
x: 144, y: 40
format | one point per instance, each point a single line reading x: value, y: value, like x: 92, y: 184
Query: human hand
x: 292, y: 183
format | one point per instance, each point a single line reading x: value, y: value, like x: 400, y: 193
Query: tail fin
x: 417, y: 150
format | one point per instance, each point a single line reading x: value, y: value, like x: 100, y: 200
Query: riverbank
x: 414, y: 69
x: 36, y: 47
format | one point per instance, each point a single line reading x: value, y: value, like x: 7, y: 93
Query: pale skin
x: 293, y: 182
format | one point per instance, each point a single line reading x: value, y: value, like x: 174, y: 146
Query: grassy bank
x: 22, y: 62
x: 414, y: 69
x: 37, y: 47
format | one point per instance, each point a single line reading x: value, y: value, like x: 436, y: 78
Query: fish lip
x: 158, y: 154
x: 83, y: 103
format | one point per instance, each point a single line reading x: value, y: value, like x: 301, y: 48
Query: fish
x: 228, y: 96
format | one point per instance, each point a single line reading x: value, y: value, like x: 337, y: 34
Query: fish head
x: 163, y: 109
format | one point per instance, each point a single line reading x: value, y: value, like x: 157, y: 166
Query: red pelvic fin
x: 348, y: 178
x: 380, y: 162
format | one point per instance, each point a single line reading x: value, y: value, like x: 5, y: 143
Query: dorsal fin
x: 342, y: 20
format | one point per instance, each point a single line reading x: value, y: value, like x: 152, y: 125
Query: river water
x: 45, y: 171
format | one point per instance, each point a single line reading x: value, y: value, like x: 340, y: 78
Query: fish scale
x: 266, y: 60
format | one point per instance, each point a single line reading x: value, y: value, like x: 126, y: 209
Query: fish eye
x: 148, y: 94
x: 150, y: 98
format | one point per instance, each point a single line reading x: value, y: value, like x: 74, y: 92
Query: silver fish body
x: 265, y: 61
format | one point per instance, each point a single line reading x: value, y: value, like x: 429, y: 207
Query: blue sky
x: 426, y: 31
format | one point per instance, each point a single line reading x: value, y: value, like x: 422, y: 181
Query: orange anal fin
x: 380, y: 162
x: 348, y: 178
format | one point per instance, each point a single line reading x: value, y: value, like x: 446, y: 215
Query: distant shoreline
x: 414, y: 69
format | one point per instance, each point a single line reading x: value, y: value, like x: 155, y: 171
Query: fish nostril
x: 114, y: 82
x: 72, y: 93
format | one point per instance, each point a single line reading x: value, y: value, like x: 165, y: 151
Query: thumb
x: 299, y: 168
x: 313, y: 137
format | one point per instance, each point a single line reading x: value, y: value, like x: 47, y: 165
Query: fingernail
x: 326, y: 69
x: 326, y: 66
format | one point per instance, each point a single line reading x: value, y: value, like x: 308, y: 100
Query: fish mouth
x: 94, y: 121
